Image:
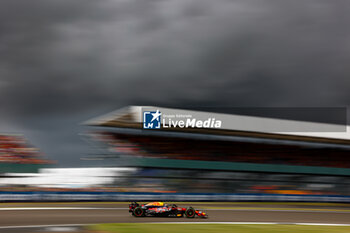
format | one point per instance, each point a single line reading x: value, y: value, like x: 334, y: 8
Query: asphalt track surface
x: 23, y: 217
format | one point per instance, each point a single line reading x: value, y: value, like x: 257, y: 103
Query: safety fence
x: 115, y: 196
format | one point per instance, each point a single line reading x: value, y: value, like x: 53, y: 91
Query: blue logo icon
x: 151, y: 120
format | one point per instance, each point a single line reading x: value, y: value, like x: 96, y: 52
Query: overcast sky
x: 65, y: 61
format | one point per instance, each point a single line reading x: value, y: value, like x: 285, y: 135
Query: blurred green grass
x: 214, y: 228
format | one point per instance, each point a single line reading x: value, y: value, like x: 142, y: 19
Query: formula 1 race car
x: 161, y: 209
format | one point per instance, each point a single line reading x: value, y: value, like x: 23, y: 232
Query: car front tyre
x: 190, y: 213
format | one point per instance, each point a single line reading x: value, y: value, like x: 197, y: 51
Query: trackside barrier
x: 114, y: 196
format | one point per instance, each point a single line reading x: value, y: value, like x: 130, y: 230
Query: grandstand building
x: 17, y: 155
x: 244, y: 155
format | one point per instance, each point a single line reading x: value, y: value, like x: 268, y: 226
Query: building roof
x: 245, y: 127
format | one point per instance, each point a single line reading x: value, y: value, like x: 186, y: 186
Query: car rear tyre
x: 138, y: 212
x: 190, y: 213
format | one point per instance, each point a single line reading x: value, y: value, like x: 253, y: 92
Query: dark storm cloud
x: 63, y: 61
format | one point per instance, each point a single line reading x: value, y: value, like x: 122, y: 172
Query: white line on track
x: 43, y: 226
x: 234, y: 223
x: 111, y: 208
x: 277, y: 210
x: 258, y: 223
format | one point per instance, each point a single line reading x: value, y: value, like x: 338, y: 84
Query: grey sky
x: 63, y: 62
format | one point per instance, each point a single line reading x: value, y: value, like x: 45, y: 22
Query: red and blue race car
x: 161, y: 209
